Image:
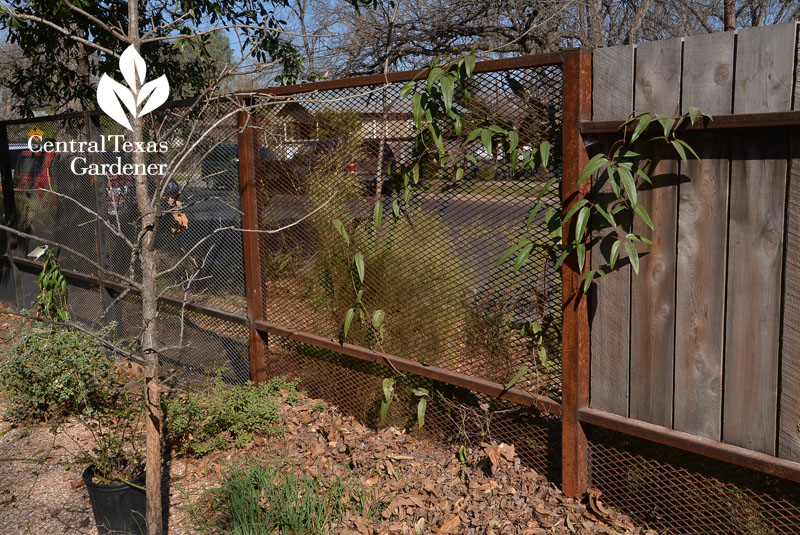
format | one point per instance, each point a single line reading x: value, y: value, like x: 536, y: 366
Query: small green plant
x: 275, y: 498
x: 221, y: 415
x: 389, y: 395
x: 117, y: 434
x: 58, y: 371
x: 51, y: 302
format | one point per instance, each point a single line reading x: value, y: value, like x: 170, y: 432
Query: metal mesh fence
x: 674, y: 491
x: 93, y: 216
x: 454, y: 415
x: 434, y: 269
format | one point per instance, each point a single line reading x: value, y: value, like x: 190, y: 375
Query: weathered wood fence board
x: 709, y: 334
x: 789, y: 415
x: 657, y: 89
x: 702, y: 227
x: 612, y: 98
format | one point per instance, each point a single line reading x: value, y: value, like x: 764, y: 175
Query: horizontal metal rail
x: 759, y: 462
x: 519, y: 62
x: 514, y: 395
x: 718, y: 122
x: 83, y: 280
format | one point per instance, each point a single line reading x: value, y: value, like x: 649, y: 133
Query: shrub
x: 267, y: 498
x: 412, y: 269
x: 223, y: 415
x: 57, y: 371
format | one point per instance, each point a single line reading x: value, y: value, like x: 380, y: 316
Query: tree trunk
x: 147, y: 254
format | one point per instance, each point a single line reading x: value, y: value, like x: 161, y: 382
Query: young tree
x: 77, y: 43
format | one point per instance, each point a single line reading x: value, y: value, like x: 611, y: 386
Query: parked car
x: 291, y: 176
x: 44, y: 170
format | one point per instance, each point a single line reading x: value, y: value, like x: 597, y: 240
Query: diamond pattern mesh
x: 678, y: 492
x: 434, y: 270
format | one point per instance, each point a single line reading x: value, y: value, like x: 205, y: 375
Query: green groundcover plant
x: 220, y: 415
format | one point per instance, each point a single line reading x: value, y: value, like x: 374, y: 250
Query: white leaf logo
x: 149, y: 96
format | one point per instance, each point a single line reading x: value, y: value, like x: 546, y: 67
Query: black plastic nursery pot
x: 118, y: 508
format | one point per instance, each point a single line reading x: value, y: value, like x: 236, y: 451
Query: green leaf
x: 434, y: 76
x: 533, y: 214
x: 693, y: 112
x: 359, y: 295
x: 609, y: 217
x: 377, y: 213
x: 437, y: 138
x: 420, y: 392
x: 680, y: 150
x: 471, y: 158
x: 517, y: 376
x: 377, y: 318
x: 597, y: 161
x: 407, y: 89
x: 419, y: 109
x: 388, y: 388
x: 628, y: 183
x: 396, y: 208
x: 469, y: 63
x: 358, y: 259
x: 459, y: 173
x: 340, y: 227
x: 688, y: 147
x: 640, y: 210
x: 643, y: 123
x: 348, y: 319
x: 513, y: 140
x: 522, y: 257
x: 544, y: 153
x: 473, y: 135
x: 447, y: 83
x: 582, y: 221
x: 486, y: 139
x: 588, y: 282
x: 423, y: 403
x: 574, y: 208
x: 633, y: 256
x: 513, y: 249
x: 614, y: 253
x: 581, y: 250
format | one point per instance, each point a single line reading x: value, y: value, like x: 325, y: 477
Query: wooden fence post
x: 259, y: 365
x: 577, y: 99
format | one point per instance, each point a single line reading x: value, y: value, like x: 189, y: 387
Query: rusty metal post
x: 259, y: 364
x: 577, y: 69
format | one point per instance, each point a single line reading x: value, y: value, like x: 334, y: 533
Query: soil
x: 428, y: 488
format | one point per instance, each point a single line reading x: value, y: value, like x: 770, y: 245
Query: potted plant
x: 115, y: 477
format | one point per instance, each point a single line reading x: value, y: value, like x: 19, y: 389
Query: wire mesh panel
x: 332, y: 158
x: 453, y: 415
x: 679, y: 492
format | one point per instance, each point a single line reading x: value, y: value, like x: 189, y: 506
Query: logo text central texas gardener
x: 140, y: 98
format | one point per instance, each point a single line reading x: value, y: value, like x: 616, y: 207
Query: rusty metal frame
x: 760, y: 462
x: 515, y: 395
x: 575, y: 344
